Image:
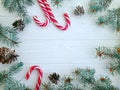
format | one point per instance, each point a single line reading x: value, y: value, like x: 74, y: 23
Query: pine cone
x: 79, y: 10
x: 7, y: 55
x: 54, y: 78
x: 19, y: 24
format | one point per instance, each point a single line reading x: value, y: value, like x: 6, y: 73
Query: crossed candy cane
x: 50, y: 16
x: 39, y: 77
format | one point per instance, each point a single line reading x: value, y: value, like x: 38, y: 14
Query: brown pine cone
x: 19, y: 24
x: 7, y: 55
x: 79, y: 10
x: 54, y: 78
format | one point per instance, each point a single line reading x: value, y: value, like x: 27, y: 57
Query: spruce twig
x: 113, y: 54
x: 57, y: 2
x: 112, y: 19
x: 8, y: 81
x: 8, y: 36
x: 81, y: 79
x: 18, y: 6
x: 98, y: 5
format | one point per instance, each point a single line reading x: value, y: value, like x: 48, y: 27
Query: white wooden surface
x: 62, y: 51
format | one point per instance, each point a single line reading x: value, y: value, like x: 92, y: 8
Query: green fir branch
x: 47, y: 86
x: 113, y: 54
x: 103, y: 83
x: 98, y: 5
x: 65, y: 86
x: 8, y: 36
x: 112, y: 19
x: 80, y: 79
x: 15, y: 68
x: 8, y: 81
x: 85, y: 75
x: 12, y: 84
x: 57, y: 2
x: 18, y: 6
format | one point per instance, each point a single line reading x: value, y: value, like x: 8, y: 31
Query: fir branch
x: 85, y: 75
x: 104, y: 83
x: 8, y: 81
x: 47, y: 86
x: 113, y: 54
x: 28, y: 2
x: 57, y: 2
x: 12, y: 84
x: 81, y: 79
x: 112, y: 19
x: 15, y: 68
x: 66, y: 86
x: 98, y: 5
x: 104, y: 52
x: 8, y: 36
x: 18, y: 6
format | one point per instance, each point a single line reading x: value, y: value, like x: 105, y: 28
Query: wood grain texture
x: 62, y: 51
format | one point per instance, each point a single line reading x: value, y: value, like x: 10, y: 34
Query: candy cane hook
x: 39, y: 77
x: 52, y: 17
x: 37, y: 21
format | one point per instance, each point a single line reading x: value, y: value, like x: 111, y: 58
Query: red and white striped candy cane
x: 52, y: 17
x: 49, y: 15
x: 37, y: 21
x: 39, y: 77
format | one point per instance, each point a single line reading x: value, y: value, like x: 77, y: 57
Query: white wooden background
x: 62, y: 51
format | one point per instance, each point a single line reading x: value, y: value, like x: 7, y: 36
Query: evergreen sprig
x: 98, y: 5
x: 113, y: 54
x: 57, y: 2
x: 81, y: 79
x: 104, y: 83
x: 85, y: 75
x: 8, y: 81
x: 18, y: 6
x: 112, y: 19
x: 8, y: 36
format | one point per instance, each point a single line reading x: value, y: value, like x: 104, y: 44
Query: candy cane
x: 49, y: 15
x: 46, y: 14
x: 52, y: 17
x: 39, y: 77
